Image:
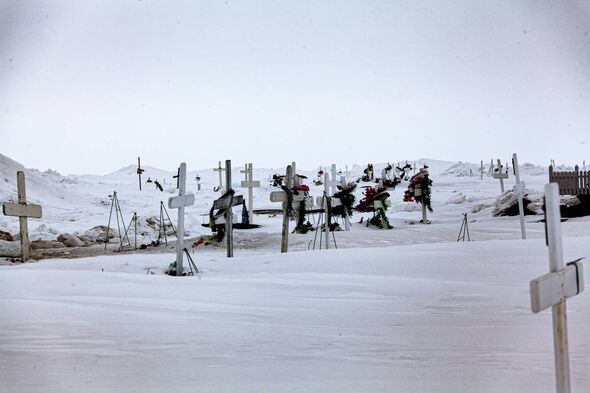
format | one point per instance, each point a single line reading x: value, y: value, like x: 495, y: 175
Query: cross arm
x: 552, y: 288
x: 21, y: 210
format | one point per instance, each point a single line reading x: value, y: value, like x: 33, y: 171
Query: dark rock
x: 44, y: 244
x: 6, y: 236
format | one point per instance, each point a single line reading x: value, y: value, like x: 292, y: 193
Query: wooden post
x: 250, y: 183
x: 519, y: 191
x: 219, y: 169
x: 22, y: 210
x: 285, y: 231
x: 228, y: 213
x: 179, y: 202
x: 139, y: 171
x: 552, y: 289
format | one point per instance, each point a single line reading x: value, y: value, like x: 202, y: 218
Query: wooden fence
x: 571, y: 182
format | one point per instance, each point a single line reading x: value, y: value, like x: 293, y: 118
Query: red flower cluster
x: 301, y: 187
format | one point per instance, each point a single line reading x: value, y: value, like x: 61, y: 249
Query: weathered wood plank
x: 21, y: 210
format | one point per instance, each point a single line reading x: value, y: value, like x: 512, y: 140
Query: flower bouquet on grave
x: 419, y: 189
x: 347, y: 198
x: 380, y: 204
x: 303, y: 225
x: 366, y: 203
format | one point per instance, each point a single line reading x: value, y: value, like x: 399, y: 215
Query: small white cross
x: 249, y: 183
x: 180, y: 202
x: 220, y: 169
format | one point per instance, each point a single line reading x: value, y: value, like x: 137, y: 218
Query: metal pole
x: 228, y: 213
x: 556, y: 264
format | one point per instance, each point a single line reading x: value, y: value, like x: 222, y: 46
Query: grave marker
x: 22, y: 210
x: 220, y: 169
x: 519, y: 192
x: 230, y: 200
x: 139, y: 172
x: 499, y: 174
x: 249, y: 183
x: 180, y: 202
x: 552, y: 289
x: 281, y: 196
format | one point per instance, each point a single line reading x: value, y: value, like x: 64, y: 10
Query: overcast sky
x: 87, y: 86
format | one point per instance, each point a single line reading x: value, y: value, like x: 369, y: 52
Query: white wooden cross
x: 249, y: 183
x: 220, y: 169
x: 322, y: 203
x: 553, y: 288
x: 22, y: 210
x: 519, y: 192
x: 332, y: 182
x: 180, y: 202
x: 281, y: 196
x: 500, y: 175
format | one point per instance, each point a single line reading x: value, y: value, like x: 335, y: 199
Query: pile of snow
x: 461, y: 169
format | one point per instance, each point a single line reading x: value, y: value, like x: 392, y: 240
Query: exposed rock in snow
x: 507, y: 204
x: 9, y: 249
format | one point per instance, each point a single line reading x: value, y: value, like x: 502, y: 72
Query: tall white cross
x: 249, y: 183
x: 220, y: 169
x: 22, y: 210
x: 519, y: 192
x: 553, y: 288
x: 180, y: 202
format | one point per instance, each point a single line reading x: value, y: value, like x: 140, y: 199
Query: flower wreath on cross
x: 419, y: 189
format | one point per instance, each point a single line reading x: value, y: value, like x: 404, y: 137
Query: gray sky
x: 87, y: 86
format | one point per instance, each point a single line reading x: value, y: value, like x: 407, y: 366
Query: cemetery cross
x: 250, y: 183
x: 553, y: 288
x: 180, y: 202
x: 22, y: 210
x: 220, y: 169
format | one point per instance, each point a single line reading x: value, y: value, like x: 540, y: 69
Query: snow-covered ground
x: 401, y: 310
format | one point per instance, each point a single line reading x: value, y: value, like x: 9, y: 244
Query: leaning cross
x: 220, y: 169
x: 180, y: 202
x: 249, y: 183
x: 552, y: 289
x: 22, y: 210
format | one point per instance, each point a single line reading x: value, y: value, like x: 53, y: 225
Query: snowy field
x: 400, y: 310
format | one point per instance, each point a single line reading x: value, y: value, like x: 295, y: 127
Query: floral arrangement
x: 347, y: 198
x: 419, y: 189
